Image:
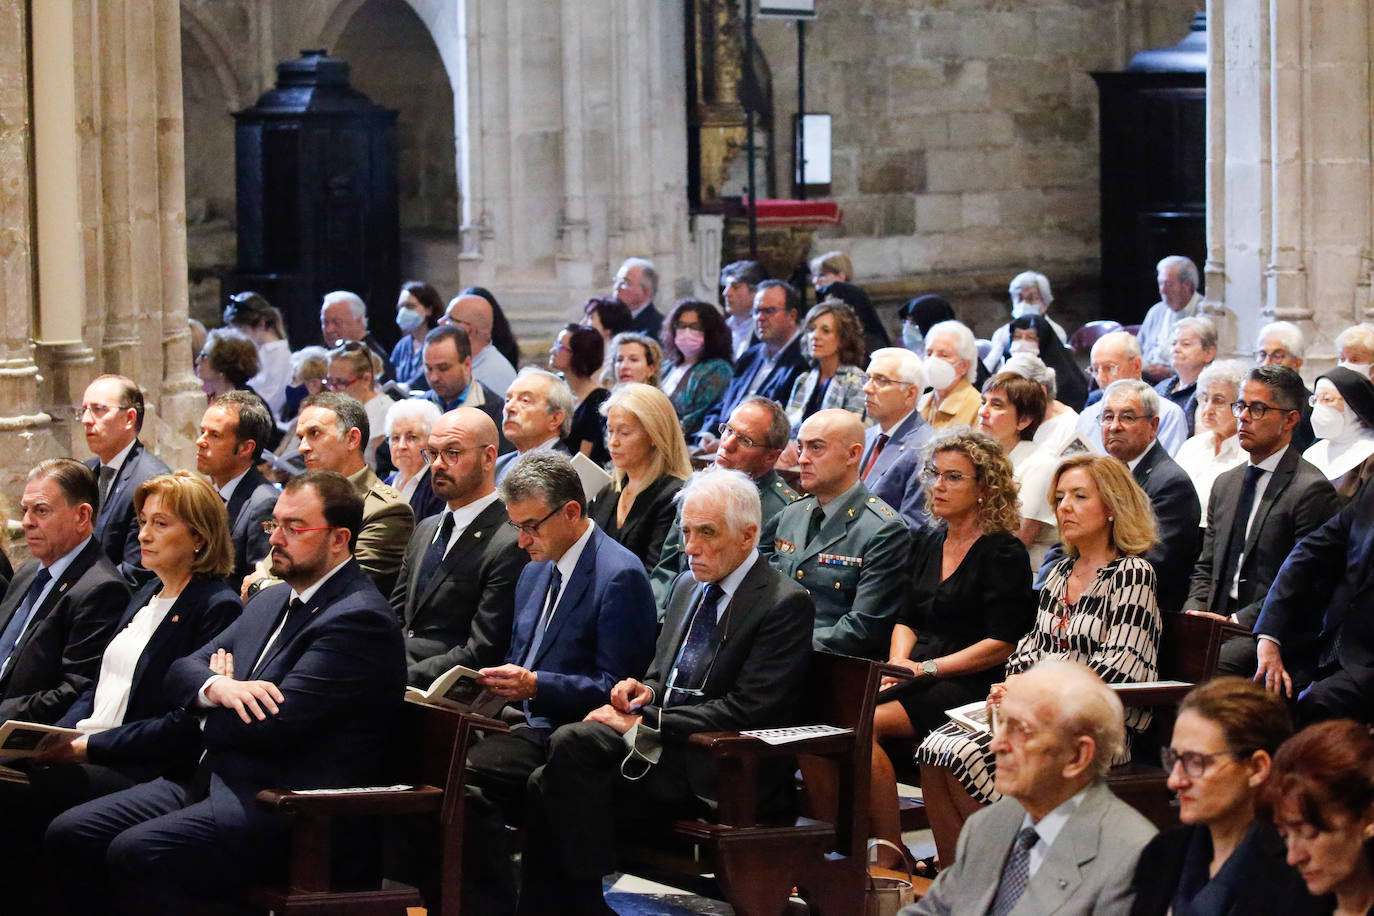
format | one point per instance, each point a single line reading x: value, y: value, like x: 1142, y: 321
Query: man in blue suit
x: 891, y: 463
x: 233, y: 433
x: 769, y: 367
x: 299, y: 692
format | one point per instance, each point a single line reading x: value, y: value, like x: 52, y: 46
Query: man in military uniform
x: 846, y: 546
x: 750, y: 441
x: 333, y: 430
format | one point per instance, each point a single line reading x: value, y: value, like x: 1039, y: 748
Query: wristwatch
x: 930, y: 667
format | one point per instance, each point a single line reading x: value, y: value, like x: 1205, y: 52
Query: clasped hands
x: 243, y: 697
x: 627, y: 698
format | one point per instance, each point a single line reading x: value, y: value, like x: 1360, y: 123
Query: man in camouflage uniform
x: 750, y: 441
x: 845, y: 545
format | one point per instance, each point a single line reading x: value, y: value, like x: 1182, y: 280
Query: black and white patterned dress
x: 1114, y: 629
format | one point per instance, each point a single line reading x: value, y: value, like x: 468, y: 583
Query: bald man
x: 455, y: 595
x: 473, y: 314
x: 1116, y: 356
x: 846, y: 546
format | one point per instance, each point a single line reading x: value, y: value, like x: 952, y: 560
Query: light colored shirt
x: 568, y: 562
x: 1173, y: 426
x: 56, y: 570
x: 1033, y: 469
x: 117, y: 461
x: 1049, y: 827
x: 118, y: 663
x: 462, y: 517
x: 770, y: 362
x: 492, y: 369
x: 741, y: 331
x: 959, y: 408
x: 1157, y: 330
x: 226, y: 492
x: 274, y: 374
x: 1055, y: 433
x: 1204, y: 462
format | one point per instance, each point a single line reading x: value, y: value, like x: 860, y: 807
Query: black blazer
x: 777, y: 386
x: 649, y: 321
x: 249, y: 506
x: 116, y: 522
x: 157, y: 735
x: 463, y: 615
x: 58, y: 656
x: 647, y: 523
x: 1297, y: 501
x: 1178, y: 514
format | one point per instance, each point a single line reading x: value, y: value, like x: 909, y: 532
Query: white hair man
x: 474, y: 314
x: 951, y: 366
x: 891, y: 463
x: 1282, y: 343
x: 636, y: 284
x: 1059, y: 840
x: 1117, y: 356
x: 537, y: 415
x: 343, y: 317
x: 1178, y: 299
x: 1030, y: 295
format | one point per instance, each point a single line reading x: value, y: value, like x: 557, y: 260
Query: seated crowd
x: 999, y: 530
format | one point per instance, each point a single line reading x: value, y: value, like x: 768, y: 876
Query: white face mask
x: 408, y: 319
x: 1025, y: 346
x: 912, y: 338
x: 1021, y: 308
x: 940, y: 374
x: 1360, y: 368
x: 1329, y: 423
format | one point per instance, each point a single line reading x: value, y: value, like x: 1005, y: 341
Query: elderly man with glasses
x: 891, y: 463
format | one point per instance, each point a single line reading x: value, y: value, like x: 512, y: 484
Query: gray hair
x: 1289, y: 334
x: 1187, y: 270
x: 965, y: 344
x: 349, y: 413
x: 1028, y: 365
x: 779, y: 427
x: 355, y: 303
x: 1086, y: 707
x: 558, y: 397
x: 1027, y: 277
x: 732, y: 493
x: 411, y: 409
x: 1228, y: 372
x: 546, y: 476
x: 314, y: 359
x: 1357, y: 335
x: 1203, y: 327
x: 1149, y: 398
x: 908, y: 364
x: 648, y: 274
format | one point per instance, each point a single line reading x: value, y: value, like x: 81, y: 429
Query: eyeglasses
x: 1108, y: 369
x: 96, y: 410
x: 883, y: 381
x: 1125, y: 419
x: 766, y: 312
x: 1258, y: 409
x: 1327, y: 399
x: 727, y: 430
x: 334, y: 383
x: 446, y: 456
x: 351, y: 346
x: 291, y: 531
x: 1265, y: 357
x: 1194, y: 763
x: 1016, y: 730
x: 532, y: 528
x: 688, y: 326
x: 929, y: 475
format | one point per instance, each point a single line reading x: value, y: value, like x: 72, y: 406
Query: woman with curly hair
x: 697, y: 347
x: 1097, y: 606
x: 968, y: 601
x: 835, y: 347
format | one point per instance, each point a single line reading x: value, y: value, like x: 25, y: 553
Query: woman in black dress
x: 577, y: 353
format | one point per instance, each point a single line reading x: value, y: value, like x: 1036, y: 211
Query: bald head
x: 1115, y: 356
x: 463, y: 446
x: 473, y: 313
x: 831, y: 442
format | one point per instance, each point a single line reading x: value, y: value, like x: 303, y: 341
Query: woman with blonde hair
x: 835, y: 347
x: 650, y: 464
x: 1097, y: 606
x: 633, y: 357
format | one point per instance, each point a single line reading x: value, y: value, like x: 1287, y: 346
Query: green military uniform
x: 388, y: 521
x: 774, y: 496
x: 854, y: 568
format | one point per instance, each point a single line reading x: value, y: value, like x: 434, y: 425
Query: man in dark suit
x: 232, y: 432
x: 1130, y: 422
x: 300, y: 692
x: 455, y: 595
x: 1276, y: 492
x: 537, y: 414
x: 60, y: 610
x: 891, y: 463
x: 112, y: 414
x: 636, y: 284
x: 769, y: 367
x: 733, y: 655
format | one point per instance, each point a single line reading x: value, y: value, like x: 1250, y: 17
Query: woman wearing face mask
x: 697, y: 347
x: 1034, y: 335
x: 1356, y: 348
x: 918, y: 316
x: 417, y: 312
x: 1216, y: 447
x: 1030, y: 295
x: 1343, y: 419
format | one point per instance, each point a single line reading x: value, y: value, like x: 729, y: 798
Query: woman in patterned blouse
x: 1097, y: 607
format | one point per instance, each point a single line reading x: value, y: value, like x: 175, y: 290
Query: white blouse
x: 1203, y: 463
x: 1034, y: 469
x: 118, y: 664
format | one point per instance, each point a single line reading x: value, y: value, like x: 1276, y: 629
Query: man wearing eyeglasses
x: 1116, y: 356
x: 1281, y: 343
x: 733, y: 655
x: 891, y: 463
x: 112, y: 415
x: 1276, y: 493
x: 343, y: 317
x: 455, y: 595
x: 302, y: 690
x: 769, y: 367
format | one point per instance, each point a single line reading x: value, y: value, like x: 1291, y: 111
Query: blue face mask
x: 912, y: 338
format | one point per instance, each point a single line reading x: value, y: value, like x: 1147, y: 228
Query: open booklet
x: 976, y: 716
x: 24, y: 739
x: 457, y: 689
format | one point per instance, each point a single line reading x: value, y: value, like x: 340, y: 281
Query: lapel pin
x: 176, y: 618
x: 851, y: 513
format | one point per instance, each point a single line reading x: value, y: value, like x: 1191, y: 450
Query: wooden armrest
x: 733, y: 744
x: 1144, y: 697
x: 398, y: 801
x: 482, y: 723
x: 897, y: 671
x: 1229, y: 629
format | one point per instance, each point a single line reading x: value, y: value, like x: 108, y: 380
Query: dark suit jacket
x: 463, y: 615
x: 895, y: 476
x: 58, y: 656
x: 601, y: 632
x: 504, y: 462
x: 116, y: 522
x: 646, y: 524
x: 249, y: 506
x: 424, y: 502
x: 342, y: 674
x: 1178, y: 514
x: 649, y: 321
x: 777, y: 386
x: 1297, y: 500
x: 158, y: 735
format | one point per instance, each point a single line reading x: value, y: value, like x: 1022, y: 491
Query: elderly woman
x: 1033, y: 336
x: 697, y: 351
x: 1012, y: 410
x: 1343, y: 419
x: 918, y: 316
x: 576, y: 354
x: 1355, y: 348
x: 1223, y: 859
x: 227, y: 361
x: 835, y: 348
x: 1097, y: 606
x: 1061, y: 420
x: 1216, y: 447
x: 951, y: 366
x: 353, y: 370
x: 1030, y: 295
x: 256, y: 317
x: 1321, y: 793
x: 968, y: 601
x: 649, y: 458
x: 407, y: 428
x: 633, y: 357
x: 418, y: 310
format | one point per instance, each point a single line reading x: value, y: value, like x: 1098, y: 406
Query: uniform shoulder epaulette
x: 787, y: 492
x: 880, y: 508
x: 387, y: 490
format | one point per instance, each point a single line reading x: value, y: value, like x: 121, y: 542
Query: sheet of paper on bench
x: 796, y: 733
x: 1146, y: 685
x: 354, y: 791
x: 593, y: 478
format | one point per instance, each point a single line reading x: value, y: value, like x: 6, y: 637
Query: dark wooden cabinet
x: 1153, y: 143
x: 315, y: 166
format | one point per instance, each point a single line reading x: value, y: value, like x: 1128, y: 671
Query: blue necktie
x: 550, y: 602
x: 20, y: 621
x: 429, y: 566
x: 698, y: 650
x: 1016, y: 874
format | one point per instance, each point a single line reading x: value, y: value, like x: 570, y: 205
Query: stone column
x: 1286, y: 274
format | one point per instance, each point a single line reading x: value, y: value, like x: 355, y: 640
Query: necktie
x: 813, y: 527
x: 1016, y: 873
x: 1235, y: 546
x: 873, y: 458
x: 550, y: 601
x: 435, y: 554
x: 698, y: 649
x: 20, y: 621
x: 291, y: 622
x: 107, y: 475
